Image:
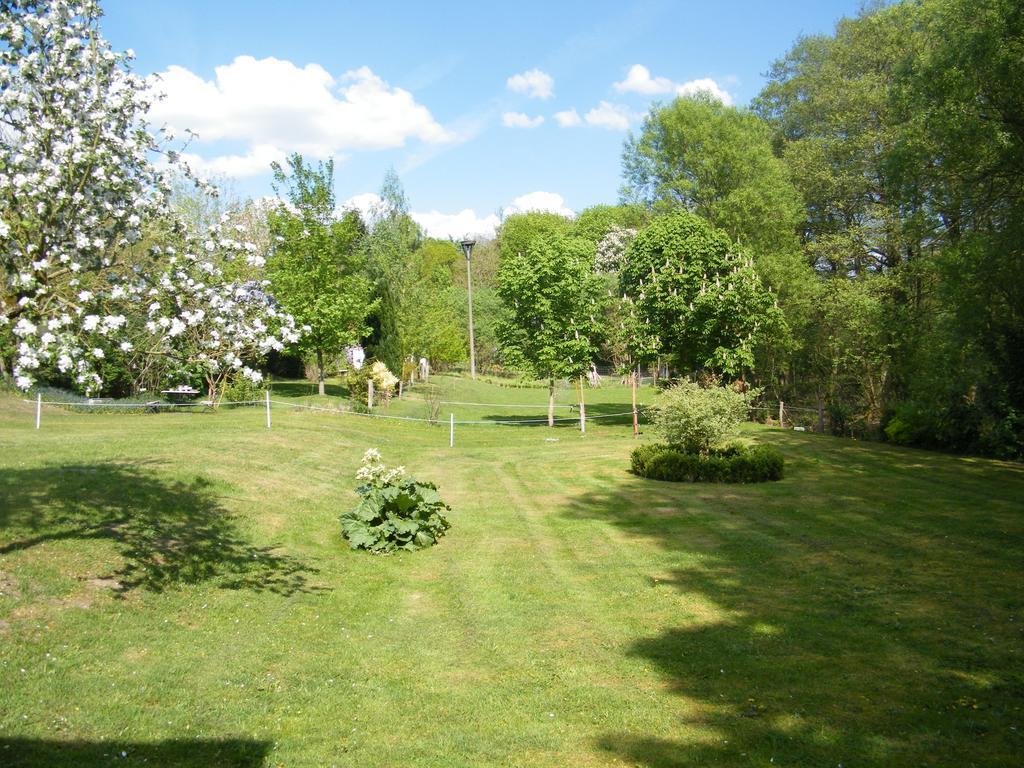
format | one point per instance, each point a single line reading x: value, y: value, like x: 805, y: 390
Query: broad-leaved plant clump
x: 395, y: 511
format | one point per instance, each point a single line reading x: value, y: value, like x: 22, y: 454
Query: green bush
x: 395, y: 511
x: 694, y: 418
x: 239, y: 389
x: 733, y: 464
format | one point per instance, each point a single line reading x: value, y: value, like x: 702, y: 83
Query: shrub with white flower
x: 210, y: 325
x: 395, y: 511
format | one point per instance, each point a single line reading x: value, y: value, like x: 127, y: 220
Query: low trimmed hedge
x: 734, y: 464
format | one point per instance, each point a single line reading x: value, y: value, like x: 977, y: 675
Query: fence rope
x: 73, y: 404
x: 503, y: 405
x: 438, y: 421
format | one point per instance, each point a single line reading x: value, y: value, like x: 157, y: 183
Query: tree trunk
x: 583, y: 408
x: 634, y: 376
x: 551, y: 402
x: 320, y: 368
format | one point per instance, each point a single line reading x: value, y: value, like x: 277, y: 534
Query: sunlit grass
x: 174, y: 587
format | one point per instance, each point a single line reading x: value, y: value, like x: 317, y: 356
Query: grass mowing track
x: 174, y: 588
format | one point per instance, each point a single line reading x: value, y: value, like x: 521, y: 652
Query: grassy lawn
x: 173, y: 587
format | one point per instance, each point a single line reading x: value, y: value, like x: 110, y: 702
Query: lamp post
x: 467, y: 249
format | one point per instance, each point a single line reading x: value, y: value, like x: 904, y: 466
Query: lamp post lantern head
x: 467, y: 248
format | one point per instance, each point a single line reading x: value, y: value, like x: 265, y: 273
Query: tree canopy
x: 701, y: 297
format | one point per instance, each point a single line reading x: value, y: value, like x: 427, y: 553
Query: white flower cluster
x: 612, y: 248
x: 374, y: 472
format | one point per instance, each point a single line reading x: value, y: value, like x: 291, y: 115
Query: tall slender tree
x: 551, y: 292
x: 317, y: 268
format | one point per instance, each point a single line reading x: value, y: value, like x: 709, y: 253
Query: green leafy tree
x: 715, y: 161
x: 316, y: 269
x: 393, y: 238
x: 550, y: 291
x: 902, y: 131
x: 596, y: 222
x: 430, y: 320
x: 702, y: 299
x: 519, y: 230
x: 960, y: 97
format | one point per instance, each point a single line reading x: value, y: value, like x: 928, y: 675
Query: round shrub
x: 694, y: 418
x: 733, y: 464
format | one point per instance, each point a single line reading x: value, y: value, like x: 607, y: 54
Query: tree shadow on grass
x: 172, y: 753
x: 169, y: 532
x: 857, y: 617
x: 307, y: 389
x: 607, y: 414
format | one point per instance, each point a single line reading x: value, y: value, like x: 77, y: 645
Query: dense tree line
x: 904, y: 135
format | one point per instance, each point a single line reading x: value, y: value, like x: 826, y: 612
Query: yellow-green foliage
x: 695, y: 418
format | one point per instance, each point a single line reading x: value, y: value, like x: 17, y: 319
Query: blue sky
x: 432, y: 88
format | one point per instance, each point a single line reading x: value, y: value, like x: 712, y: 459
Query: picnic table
x: 180, y: 395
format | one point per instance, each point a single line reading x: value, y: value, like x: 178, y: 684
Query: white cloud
x: 539, y: 201
x: 367, y: 203
x: 466, y: 222
x: 276, y: 107
x: 639, y: 80
x: 615, y: 117
x: 456, y: 225
x: 568, y: 118
x: 520, y: 120
x: 534, y: 83
x: 705, y: 85
x: 254, y: 163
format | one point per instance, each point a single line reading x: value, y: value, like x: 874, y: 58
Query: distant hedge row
x: 734, y: 464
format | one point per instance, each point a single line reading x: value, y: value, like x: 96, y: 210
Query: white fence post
x: 782, y: 415
x: 39, y: 407
x: 369, y: 393
x: 267, y: 392
x: 451, y: 433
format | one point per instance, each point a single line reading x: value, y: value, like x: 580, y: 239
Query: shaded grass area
x: 174, y: 753
x: 870, y: 622
x: 168, y: 532
x: 167, y: 580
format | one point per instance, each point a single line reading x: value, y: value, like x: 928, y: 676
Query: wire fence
x: 268, y: 402
x: 799, y: 418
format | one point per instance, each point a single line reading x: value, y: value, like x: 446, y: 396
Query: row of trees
x: 865, y: 218
x: 904, y: 135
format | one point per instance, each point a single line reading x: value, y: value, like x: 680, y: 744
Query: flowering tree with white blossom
x: 203, y: 325
x: 77, y: 185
